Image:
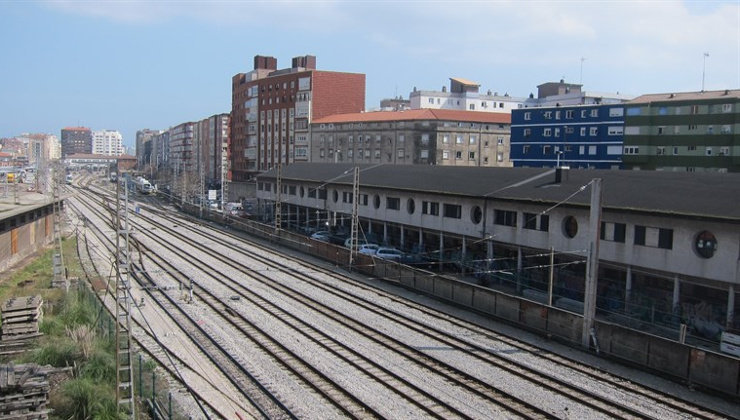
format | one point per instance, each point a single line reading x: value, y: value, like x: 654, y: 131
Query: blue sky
x: 128, y: 65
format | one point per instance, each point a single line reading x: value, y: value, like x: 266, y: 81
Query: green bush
x: 59, y: 353
x: 84, y: 399
x: 100, y: 367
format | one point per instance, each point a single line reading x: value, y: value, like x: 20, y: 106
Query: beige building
x: 421, y: 136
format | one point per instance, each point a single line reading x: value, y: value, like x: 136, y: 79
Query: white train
x: 143, y: 186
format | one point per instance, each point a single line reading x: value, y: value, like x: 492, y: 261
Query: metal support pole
x: 592, y: 267
x: 730, y: 306
x: 552, y: 276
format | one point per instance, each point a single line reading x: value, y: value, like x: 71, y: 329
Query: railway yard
x: 247, y: 331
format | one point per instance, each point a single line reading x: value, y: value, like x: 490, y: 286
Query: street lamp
x: 558, y: 153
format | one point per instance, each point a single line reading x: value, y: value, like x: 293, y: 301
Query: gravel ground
x: 307, y: 404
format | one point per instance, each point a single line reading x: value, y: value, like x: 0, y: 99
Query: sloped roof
x: 418, y: 114
x: 687, y: 96
x: 464, y: 81
x: 701, y: 195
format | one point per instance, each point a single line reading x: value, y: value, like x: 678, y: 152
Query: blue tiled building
x: 580, y: 136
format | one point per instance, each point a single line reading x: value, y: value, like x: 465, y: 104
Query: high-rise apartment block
x: 272, y: 109
x: 76, y: 140
x: 107, y: 142
x: 690, y: 131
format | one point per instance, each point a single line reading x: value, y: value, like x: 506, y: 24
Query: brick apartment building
x: 76, y: 140
x: 272, y: 109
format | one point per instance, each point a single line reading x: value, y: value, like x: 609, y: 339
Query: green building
x: 691, y: 131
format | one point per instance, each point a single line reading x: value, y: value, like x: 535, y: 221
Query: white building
x: 107, y: 142
x: 562, y: 94
x: 464, y: 95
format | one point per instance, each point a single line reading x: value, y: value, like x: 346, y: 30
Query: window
x: 724, y: 151
x: 726, y: 129
x: 401, y: 138
x: 705, y: 244
x: 694, y: 109
x: 363, y: 199
x: 583, y: 131
x: 453, y: 211
x: 613, y: 150
x: 708, y: 151
x: 557, y: 115
x: 592, y: 131
x: 430, y: 208
x: 530, y: 221
x: 594, y: 112
x: 726, y: 107
x: 615, y: 131
x: 322, y: 194
x: 548, y: 115
x: 424, y: 154
x: 675, y: 151
x: 445, y: 154
x: 425, y: 139
x: 525, y: 149
x: 458, y: 154
x: 392, y: 203
x: 660, y: 150
x: 556, y: 132
x: 471, y: 155
x: 347, y: 197
x: 615, y: 232
x: 591, y: 150
x: 633, y: 111
x: 691, y: 148
x: 654, y: 237
x: 527, y: 116
x: 547, y: 132
x: 544, y: 223
x: 631, y: 150
x: 500, y: 140
x: 616, y: 112
x: 446, y: 139
x: 400, y: 153
x: 569, y: 114
x: 570, y: 227
x: 527, y: 132
x: 472, y: 140
x: 431, y: 100
x: 662, y: 110
x: 546, y: 149
x: 504, y: 218
x: 499, y: 157
x: 459, y: 139
x: 584, y: 113
x: 472, y: 107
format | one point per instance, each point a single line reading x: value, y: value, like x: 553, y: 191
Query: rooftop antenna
x: 580, y: 80
x: 703, y: 70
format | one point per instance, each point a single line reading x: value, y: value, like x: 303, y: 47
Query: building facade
x: 144, y: 146
x: 692, y: 131
x: 76, y: 140
x: 583, y: 136
x: 272, y: 109
x: 107, y: 142
x: 210, y: 136
x: 562, y: 94
x: 463, y: 95
x: 413, y: 137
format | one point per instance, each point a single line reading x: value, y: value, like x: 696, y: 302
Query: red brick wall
x: 337, y: 93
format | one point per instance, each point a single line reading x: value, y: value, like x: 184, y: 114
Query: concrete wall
x: 24, y: 240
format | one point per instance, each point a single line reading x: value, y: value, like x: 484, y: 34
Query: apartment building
x: 272, y: 110
x: 76, y: 140
x: 107, y: 142
x: 413, y: 137
x: 464, y: 95
x: 580, y: 136
x: 689, y: 131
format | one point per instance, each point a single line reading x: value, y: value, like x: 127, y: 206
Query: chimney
x: 559, y: 172
x: 307, y: 61
x: 265, y: 62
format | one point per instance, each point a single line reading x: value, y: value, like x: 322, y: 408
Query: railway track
x: 319, y: 278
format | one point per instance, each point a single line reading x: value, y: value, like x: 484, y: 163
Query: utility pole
x: 592, y: 265
x: 124, y: 364
x: 279, y: 197
x: 355, y: 216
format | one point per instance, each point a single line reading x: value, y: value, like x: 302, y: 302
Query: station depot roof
x: 685, y: 194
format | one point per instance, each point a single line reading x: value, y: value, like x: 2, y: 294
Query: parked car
x: 368, y: 249
x: 321, y: 235
x: 360, y: 241
x: 389, y: 253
